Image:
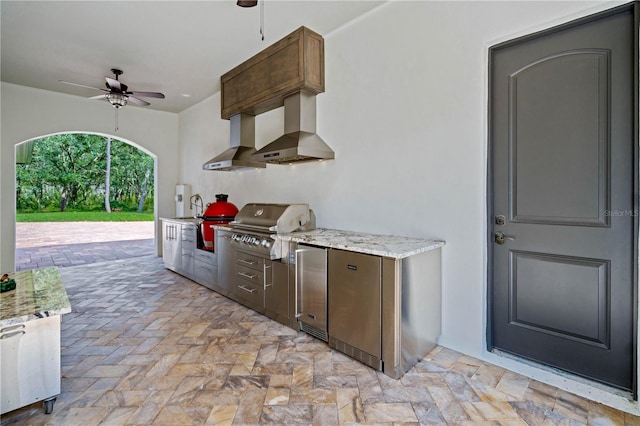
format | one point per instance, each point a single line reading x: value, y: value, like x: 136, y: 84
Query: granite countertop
x: 380, y: 245
x: 393, y: 246
x: 39, y: 293
x: 184, y: 220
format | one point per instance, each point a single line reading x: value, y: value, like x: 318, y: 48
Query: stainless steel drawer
x: 250, y: 294
x: 188, y: 235
x: 186, y: 265
x: 205, y: 273
x: 248, y: 260
x: 204, y: 267
x: 249, y: 274
x: 206, y: 257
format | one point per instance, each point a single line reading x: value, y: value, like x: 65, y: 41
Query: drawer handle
x: 14, y: 334
x: 242, y: 274
x: 248, y: 290
x: 12, y: 328
x: 247, y: 262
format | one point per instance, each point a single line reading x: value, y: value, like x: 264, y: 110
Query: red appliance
x: 219, y: 213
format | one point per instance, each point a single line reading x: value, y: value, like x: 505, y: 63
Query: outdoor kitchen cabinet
x: 226, y: 263
x: 171, y: 250
x: 181, y: 254
x: 252, y: 274
x: 384, y: 312
x: 30, y: 363
x: 276, y: 294
x: 398, y: 301
x: 188, y: 250
x: 30, y: 318
x: 411, y: 309
x: 205, y: 268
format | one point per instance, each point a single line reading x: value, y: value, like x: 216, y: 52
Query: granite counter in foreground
x: 380, y: 245
x: 39, y: 293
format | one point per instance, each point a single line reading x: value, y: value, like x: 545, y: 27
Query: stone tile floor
x: 146, y: 346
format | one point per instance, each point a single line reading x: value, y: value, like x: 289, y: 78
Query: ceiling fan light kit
x: 118, y: 100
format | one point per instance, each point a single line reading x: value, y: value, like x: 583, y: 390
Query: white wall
x: 405, y: 111
x: 28, y: 113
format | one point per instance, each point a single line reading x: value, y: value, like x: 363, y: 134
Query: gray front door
x: 562, y: 179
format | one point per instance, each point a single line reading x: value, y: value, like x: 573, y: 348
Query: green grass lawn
x: 84, y: 217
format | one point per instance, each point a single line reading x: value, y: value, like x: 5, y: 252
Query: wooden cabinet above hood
x: 261, y: 83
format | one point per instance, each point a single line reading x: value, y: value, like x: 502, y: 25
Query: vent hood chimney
x: 242, y: 141
x: 300, y: 141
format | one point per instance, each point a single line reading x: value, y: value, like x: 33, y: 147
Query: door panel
x: 567, y: 88
x: 562, y: 170
x: 558, y: 295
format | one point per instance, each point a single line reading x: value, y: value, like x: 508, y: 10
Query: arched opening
x: 91, y: 218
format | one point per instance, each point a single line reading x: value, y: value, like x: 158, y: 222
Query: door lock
x: 501, y: 238
x: 501, y: 220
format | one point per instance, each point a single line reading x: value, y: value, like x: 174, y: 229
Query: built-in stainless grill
x: 257, y: 268
x: 257, y: 225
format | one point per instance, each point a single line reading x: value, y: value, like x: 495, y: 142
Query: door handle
x: 501, y: 237
x: 265, y: 276
x: 11, y: 328
x: 13, y: 334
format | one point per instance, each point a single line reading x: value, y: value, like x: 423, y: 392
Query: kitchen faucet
x: 193, y: 201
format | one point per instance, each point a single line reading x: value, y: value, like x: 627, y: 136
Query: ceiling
x: 179, y: 48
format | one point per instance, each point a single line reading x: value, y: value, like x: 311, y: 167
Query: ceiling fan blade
x: 114, y: 84
x: 98, y: 97
x: 137, y: 101
x: 82, y: 85
x: 147, y: 94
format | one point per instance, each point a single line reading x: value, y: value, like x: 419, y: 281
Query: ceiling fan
x: 117, y: 93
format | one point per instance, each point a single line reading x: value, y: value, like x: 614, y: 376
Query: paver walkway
x: 61, y: 244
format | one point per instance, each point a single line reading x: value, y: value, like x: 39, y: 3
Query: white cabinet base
x: 29, y: 363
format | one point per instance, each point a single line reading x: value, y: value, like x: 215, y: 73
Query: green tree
x: 70, y: 170
x: 64, y: 165
x: 130, y: 173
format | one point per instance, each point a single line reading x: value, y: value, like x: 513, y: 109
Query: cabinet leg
x: 48, y: 405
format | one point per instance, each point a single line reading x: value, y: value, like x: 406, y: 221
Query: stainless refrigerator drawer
x: 354, y: 300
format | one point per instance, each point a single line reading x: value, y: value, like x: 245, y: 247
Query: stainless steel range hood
x: 300, y: 141
x: 242, y: 141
